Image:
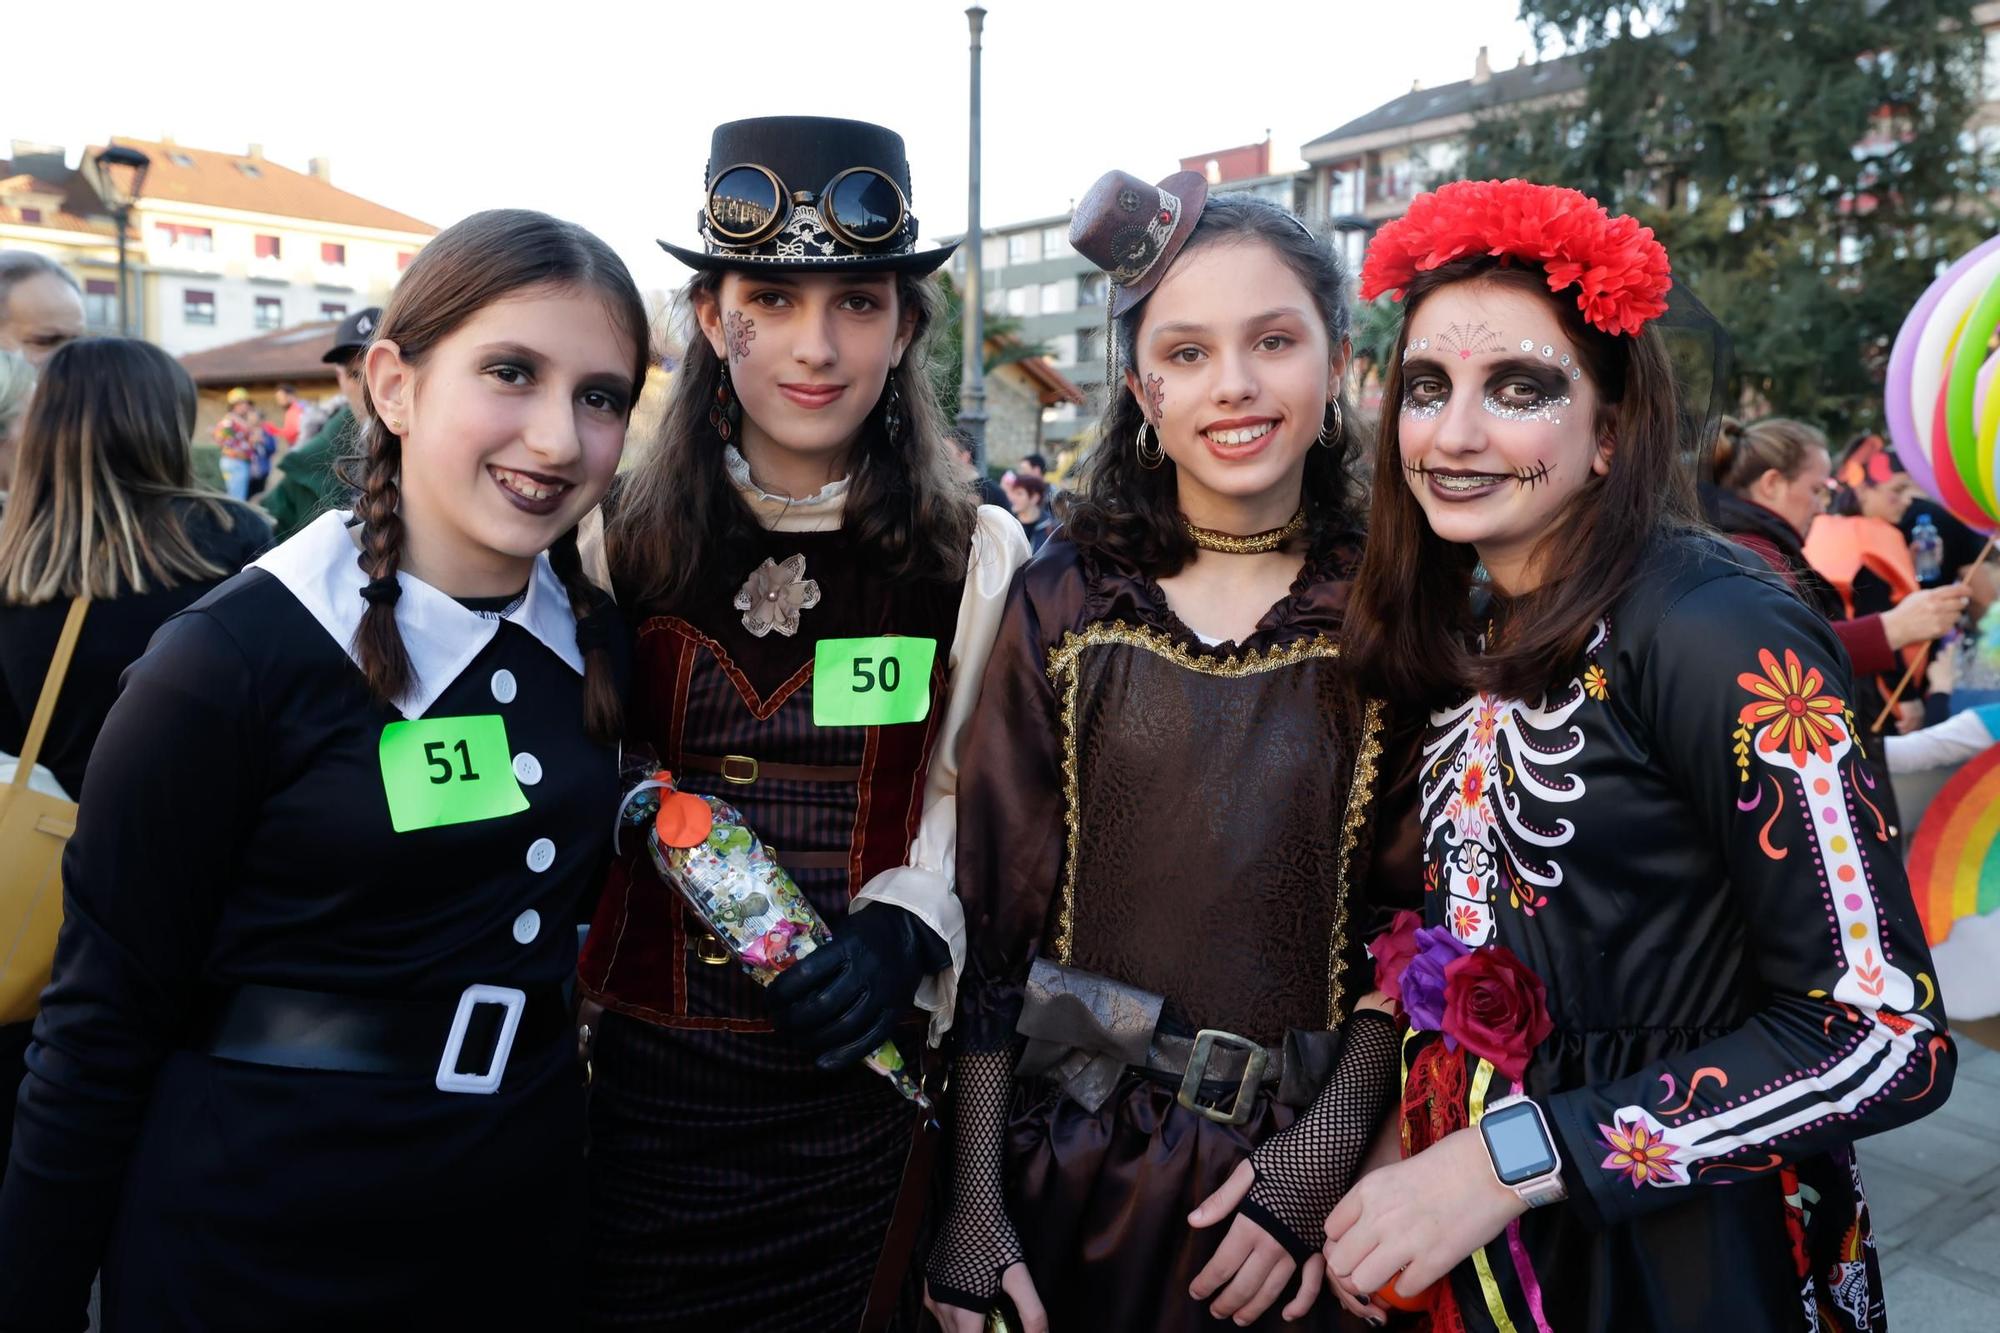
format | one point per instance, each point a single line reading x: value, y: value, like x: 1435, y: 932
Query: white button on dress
x: 541, y: 855
x: 527, y: 768
x: 527, y: 926
x: 503, y: 686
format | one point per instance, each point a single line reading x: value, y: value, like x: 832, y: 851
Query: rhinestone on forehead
x: 1527, y: 344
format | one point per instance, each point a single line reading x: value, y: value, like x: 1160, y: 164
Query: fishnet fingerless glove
x: 1303, y: 1170
x: 976, y: 1242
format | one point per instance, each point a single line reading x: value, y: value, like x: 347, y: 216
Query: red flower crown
x: 1621, y: 271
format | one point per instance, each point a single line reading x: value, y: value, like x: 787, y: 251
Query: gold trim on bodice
x: 1062, y: 672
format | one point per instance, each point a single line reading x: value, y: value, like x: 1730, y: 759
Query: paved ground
x: 1935, y: 1190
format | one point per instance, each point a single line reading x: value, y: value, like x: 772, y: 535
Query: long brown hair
x: 678, y: 517
x: 1409, y: 627
x: 465, y: 268
x: 1131, y: 512
x: 104, y: 479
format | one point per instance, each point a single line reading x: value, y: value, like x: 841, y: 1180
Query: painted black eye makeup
x: 1517, y: 389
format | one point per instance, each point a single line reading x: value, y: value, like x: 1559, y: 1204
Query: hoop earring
x: 725, y: 412
x: 1339, y: 425
x: 1149, y: 457
x: 892, y: 412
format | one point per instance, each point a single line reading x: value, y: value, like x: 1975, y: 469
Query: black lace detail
x: 1303, y: 1171
x: 976, y: 1242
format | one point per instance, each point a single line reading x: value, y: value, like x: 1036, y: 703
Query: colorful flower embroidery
x: 1641, y: 1151
x: 1486, y: 722
x: 1796, y: 716
x: 1595, y: 683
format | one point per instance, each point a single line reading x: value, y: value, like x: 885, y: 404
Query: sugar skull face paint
x: 1496, y: 427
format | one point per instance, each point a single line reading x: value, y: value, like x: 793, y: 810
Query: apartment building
x: 223, y: 246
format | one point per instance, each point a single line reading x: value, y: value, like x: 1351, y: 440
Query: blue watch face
x: 1520, y: 1146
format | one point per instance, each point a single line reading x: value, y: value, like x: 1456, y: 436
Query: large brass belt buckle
x: 711, y: 950
x: 739, y: 769
x: 1244, y: 1100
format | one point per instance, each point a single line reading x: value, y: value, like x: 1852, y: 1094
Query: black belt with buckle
x: 1086, y: 1031
x: 462, y: 1044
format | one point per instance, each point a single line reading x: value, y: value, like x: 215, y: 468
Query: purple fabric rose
x: 1423, y: 979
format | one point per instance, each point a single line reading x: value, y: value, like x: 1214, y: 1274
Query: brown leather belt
x: 742, y: 770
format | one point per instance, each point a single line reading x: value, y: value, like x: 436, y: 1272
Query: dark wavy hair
x: 465, y: 268
x: 678, y: 520
x: 1410, y: 624
x: 1131, y: 512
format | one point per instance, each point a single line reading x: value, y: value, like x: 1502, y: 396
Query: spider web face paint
x: 1468, y: 340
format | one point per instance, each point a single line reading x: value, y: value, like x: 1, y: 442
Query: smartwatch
x: 1523, y: 1151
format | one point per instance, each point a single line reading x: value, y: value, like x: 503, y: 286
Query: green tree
x: 1004, y: 345
x: 1805, y: 162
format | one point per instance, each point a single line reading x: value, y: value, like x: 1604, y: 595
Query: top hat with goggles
x: 805, y: 194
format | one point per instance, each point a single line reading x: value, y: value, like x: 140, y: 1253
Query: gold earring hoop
x: 1339, y: 424
x: 1153, y: 456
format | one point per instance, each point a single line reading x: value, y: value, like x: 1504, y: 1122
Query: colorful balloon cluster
x: 1943, y: 394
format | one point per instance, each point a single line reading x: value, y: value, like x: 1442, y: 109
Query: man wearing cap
x: 307, y: 485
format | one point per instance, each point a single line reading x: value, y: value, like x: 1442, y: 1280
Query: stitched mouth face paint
x: 1476, y: 483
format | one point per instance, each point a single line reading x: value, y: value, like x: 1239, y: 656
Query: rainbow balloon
x: 1955, y: 857
x: 1940, y: 398
x: 1955, y: 878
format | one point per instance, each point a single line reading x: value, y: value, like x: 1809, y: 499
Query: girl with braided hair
x: 305, y: 1059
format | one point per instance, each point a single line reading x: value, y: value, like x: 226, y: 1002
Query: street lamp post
x: 121, y: 178
x: 972, y: 385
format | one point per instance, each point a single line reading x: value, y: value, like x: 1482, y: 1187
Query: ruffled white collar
x: 818, y: 512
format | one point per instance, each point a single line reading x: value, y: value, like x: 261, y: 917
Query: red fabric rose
x: 1496, y: 1008
x: 1619, y: 270
x: 1392, y: 951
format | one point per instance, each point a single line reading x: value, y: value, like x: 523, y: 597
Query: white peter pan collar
x: 318, y: 567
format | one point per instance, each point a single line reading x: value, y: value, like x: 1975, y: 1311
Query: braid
x: 602, y: 714
x: 377, y: 642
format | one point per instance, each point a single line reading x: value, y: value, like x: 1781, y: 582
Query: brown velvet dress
x: 1188, y: 819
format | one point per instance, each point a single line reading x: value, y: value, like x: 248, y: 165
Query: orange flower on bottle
x: 1790, y: 711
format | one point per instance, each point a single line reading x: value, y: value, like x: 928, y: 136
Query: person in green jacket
x: 308, y: 482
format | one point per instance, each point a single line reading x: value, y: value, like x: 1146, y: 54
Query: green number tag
x: 448, y: 770
x: 872, y: 682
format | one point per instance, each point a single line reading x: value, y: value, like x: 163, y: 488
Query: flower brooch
x: 774, y: 594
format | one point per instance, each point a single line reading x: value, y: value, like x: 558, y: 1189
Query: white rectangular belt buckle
x: 449, y: 1079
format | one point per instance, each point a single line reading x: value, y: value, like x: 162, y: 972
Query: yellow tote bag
x: 34, y: 829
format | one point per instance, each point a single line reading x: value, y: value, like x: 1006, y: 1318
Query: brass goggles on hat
x: 861, y: 207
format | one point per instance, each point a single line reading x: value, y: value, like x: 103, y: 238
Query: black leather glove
x: 842, y: 1000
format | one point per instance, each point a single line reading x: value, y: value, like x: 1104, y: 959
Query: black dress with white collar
x: 237, y: 830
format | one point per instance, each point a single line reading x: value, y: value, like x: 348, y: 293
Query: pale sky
x: 600, y: 110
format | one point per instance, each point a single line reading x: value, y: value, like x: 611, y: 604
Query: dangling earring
x: 1338, y: 425
x: 725, y: 412
x: 892, y: 412
x: 1149, y: 456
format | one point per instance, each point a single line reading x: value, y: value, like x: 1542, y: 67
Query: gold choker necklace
x: 1257, y: 543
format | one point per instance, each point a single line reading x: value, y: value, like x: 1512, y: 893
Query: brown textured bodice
x: 1209, y: 824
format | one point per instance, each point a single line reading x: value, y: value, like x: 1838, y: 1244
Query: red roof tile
x: 283, y: 354
x: 221, y: 181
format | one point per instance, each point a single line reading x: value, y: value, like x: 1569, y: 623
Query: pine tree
x: 1806, y: 163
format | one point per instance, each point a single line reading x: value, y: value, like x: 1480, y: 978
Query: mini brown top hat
x: 1133, y: 230
x: 788, y: 163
